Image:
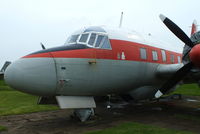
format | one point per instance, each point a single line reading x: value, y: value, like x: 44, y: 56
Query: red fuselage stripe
x: 130, y: 51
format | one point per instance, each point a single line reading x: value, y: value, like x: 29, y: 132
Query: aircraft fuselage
x: 85, y: 70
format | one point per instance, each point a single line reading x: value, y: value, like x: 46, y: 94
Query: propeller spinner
x: 194, y: 55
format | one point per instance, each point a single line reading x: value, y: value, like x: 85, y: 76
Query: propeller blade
x: 176, y: 30
x: 186, y: 54
x: 174, y: 79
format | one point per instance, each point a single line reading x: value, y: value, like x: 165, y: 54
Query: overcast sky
x: 26, y: 23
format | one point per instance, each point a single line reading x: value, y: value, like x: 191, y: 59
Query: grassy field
x: 188, y: 117
x: 14, y: 102
x: 137, y: 128
x: 188, y: 89
x: 4, y: 87
x: 2, y: 128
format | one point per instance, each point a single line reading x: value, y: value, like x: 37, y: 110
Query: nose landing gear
x: 83, y: 114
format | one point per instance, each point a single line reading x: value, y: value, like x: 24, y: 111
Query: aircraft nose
x: 36, y: 76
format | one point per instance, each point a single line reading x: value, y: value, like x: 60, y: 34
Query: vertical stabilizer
x: 194, y: 27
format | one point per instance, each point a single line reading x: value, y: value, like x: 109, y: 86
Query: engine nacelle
x: 195, y: 55
x: 195, y: 38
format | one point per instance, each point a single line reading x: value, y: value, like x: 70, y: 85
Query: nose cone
x: 32, y: 75
x: 195, y: 55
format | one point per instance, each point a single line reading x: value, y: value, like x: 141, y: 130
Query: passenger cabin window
x: 179, y: 59
x: 154, y: 55
x: 73, y: 39
x: 172, y: 58
x: 164, y: 57
x: 143, y: 53
x: 84, y: 38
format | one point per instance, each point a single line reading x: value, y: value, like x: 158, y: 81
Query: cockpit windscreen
x: 91, y: 39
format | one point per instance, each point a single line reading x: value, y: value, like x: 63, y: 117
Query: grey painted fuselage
x: 75, y: 76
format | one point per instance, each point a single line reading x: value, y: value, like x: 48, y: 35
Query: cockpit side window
x: 73, y: 38
x: 106, y: 43
x: 99, y: 40
x: 84, y: 38
x: 92, y: 39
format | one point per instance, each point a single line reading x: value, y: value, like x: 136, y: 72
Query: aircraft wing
x: 166, y: 71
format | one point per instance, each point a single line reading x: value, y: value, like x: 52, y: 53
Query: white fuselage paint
x: 133, y: 36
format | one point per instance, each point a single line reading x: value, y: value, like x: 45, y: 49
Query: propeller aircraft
x: 101, y: 61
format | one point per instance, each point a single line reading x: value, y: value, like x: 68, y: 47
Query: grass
x: 188, y: 117
x: 2, y: 128
x: 4, y: 87
x: 14, y: 102
x: 137, y: 128
x: 188, y: 89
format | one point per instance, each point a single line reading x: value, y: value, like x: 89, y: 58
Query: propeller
x: 176, y: 30
x: 194, y: 55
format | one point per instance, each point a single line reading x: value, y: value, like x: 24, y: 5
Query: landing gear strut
x: 84, y: 114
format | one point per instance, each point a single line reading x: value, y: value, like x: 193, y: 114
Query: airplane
x: 6, y: 64
x: 100, y: 61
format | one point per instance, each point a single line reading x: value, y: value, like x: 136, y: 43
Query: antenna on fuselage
x: 43, y: 47
x: 121, y: 19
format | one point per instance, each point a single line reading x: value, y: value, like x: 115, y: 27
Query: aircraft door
x: 63, y: 75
